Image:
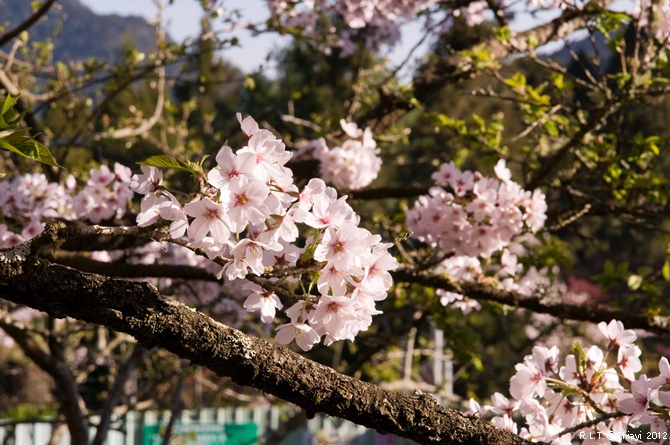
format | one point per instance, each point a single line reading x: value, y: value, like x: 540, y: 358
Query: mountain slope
x: 78, y: 33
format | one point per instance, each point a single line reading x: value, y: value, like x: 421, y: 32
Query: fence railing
x: 208, y: 427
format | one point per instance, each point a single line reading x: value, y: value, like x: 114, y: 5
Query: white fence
x: 135, y: 428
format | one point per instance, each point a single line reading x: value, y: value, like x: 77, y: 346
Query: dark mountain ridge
x: 77, y: 32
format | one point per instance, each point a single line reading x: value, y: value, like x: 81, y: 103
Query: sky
x: 183, y: 20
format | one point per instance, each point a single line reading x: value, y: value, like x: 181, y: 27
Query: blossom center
x: 211, y: 215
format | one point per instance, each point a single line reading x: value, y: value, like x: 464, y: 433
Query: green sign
x: 186, y: 434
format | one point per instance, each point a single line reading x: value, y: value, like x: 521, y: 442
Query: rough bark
x: 155, y: 321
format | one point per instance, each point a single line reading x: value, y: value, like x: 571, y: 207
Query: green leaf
x: 165, y: 161
x: 162, y: 161
x: 559, y: 81
x: 503, y: 34
x: 7, y: 120
x: 17, y: 140
x: 8, y: 104
x: 190, y: 166
x: 29, y: 148
x: 517, y: 80
x: 666, y: 270
x: 551, y: 128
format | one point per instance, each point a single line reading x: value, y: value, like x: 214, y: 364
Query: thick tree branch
x: 387, y: 192
x: 480, y: 291
x: 139, y: 310
x: 129, y: 270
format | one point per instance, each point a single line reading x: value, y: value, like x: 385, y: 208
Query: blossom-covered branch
x: 138, y: 309
x: 481, y: 291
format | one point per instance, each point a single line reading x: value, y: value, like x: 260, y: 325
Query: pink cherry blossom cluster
x: 246, y: 218
x: 28, y: 200
x: 105, y: 195
x: 474, y: 215
x: 563, y: 404
x: 470, y: 217
x: 474, y: 13
x: 380, y: 20
x: 354, y: 164
x: 342, y: 23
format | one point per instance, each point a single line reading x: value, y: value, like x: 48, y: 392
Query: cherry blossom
x: 148, y: 182
x: 8, y: 238
x: 653, y: 16
x: 210, y: 218
x: 247, y: 254
x: 502, y: 172
x: 473, y: 215
x: 230, y: 166
x: 245, y: 201
x: 333, y: 280
x: 345, y: 245
x: 30, y: 200
x: 150, y: 209
x: 263, y: 301
x: 664, y: 377
x: 248, y: 124
x: 528, y: 382
x: 335, y: 316
x: 281, y: 234
x: 250, y: 221
x: 629, y: 360
x: 352, y: 165
x: 374, y: 22
x: 555, y: 405
x: 637, y: 402
x: 616, y: 334
x: 379, y: 264
x: 476, y: 409
x: 171, y: 210
x: 477, y: 220
x: 327, y: 211
x: 458, y: 301
x: 506, y: 423
x: 304, y: 335
x: 509, y: 264
x: 502, y: 405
